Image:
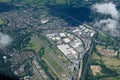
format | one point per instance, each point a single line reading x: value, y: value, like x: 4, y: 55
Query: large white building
x: 69, y: 52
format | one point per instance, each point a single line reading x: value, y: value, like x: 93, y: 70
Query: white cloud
x: 110, y: 23
x: 106, y: 8
x: 5, y: 40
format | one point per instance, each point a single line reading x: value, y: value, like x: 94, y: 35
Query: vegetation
x: 108, y: 40
x: 110, y: 66
x: 46, y: 41
x: 41, y: 52
x: 104, y: 38
x: 5, y: 0
x: 44, y: 66
x: 42, y: 2
x: 61, y: 56
x: 18, y: 41
x: 44, y: 13
x: 34, y: 44
x: 53, y: 63
x: 61, y: 1
x: 1, y: 22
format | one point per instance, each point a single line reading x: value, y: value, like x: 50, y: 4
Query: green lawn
x: 1, y: 22
x: 44, y: 13
x: 33, y: 44
x: 46, y: 41
x: 43, y: 2
x: 5, y: 0
x: 61, y: 1
x: 110, y: 63
x: 53, y: 63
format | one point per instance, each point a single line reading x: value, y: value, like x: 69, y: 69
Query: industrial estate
x: 59, y: 40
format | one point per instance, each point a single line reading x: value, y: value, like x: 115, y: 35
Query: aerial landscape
x: 59, y: 39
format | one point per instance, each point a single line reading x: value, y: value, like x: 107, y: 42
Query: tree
x: 41, y: 52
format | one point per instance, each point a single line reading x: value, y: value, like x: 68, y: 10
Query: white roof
x: 81, y: 26
x: 44, y: 21
x: 62, y: 34
x: 68, y: 52
x: 68, y: 34
x: 4, y: 57
x: 92, y: 34
x: 57, y: 38
x: 64, y: 48
x: 66, y: 40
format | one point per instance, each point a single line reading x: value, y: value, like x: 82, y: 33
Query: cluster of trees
x: 107, y: 41
x: 106, y: 72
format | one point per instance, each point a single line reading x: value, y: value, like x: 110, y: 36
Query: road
x: 80, y: 70
x: 86, y: 64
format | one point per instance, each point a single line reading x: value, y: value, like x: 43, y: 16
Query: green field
x: 42, y: 2
x: 1, y: 22
x: 45, y: 40
x: 53, y: 63
x: 5, y: 0
x: 61, y: 1
x: 110, y: 64
x: 44, y: 13
x: 33, y: 44
x: 108, y: 61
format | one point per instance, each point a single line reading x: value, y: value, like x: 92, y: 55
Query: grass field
x: 43, y: 2
x: 95, y: 56
x: 1, y: 22
x: 33, y: 44
x: 44, y: 39
x: 53, y: 63
x: 61, y: 1
x: 111, y: 63
x: 108, y: 61
x: 44, y: 13
x: 5, y: 0
x: 62, y: 57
